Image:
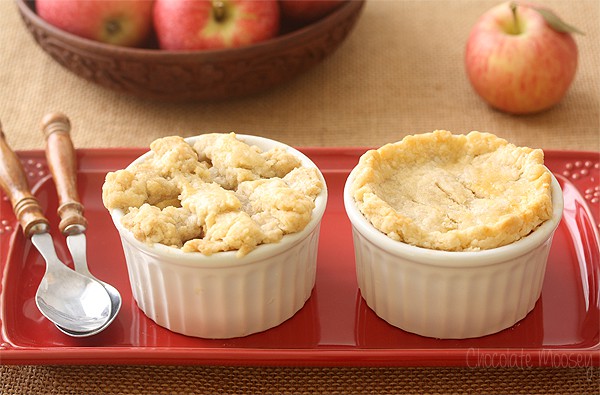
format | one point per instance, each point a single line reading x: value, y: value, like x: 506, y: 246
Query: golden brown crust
x: 454, y: 192
x: 220, y: 195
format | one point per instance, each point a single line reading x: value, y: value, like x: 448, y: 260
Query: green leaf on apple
x: 555, y: 22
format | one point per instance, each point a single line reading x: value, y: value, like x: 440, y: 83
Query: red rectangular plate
x: 335, y: 327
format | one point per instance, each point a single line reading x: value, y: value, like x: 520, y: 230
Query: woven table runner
x: 172, y: 380
x: 401, y: 71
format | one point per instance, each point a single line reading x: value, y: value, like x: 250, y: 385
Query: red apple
x: 517, y: 62
x: 214, y: 24
x: 305, y: 11
x: 119, y: 22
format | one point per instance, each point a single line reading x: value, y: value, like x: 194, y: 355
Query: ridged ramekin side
x: 448, y: 302
x: 221, y: 301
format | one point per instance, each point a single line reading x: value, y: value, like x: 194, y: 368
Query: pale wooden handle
x: 14, y: 182
x: 62, y: 161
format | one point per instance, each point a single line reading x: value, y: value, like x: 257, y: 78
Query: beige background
x: 400, y: 72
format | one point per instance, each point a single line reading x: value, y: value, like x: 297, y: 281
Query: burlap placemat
x: 172, y: 380
x: 400, y: 72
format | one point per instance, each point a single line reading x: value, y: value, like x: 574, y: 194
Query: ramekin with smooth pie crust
x: 452, y: 232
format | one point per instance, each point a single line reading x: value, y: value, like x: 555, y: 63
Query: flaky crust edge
x: 509, y: 228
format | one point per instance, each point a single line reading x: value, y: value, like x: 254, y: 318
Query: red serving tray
x: 335, y: 327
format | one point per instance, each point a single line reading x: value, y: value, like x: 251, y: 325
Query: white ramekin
x: 450, y: 295
x: 224, y: 296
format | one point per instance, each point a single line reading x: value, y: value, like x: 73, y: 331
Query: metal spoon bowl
x: 74, y: 241
x: 67, y: 298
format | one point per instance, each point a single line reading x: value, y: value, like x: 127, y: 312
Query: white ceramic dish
x: 450, y: 295
x: 224, y: 296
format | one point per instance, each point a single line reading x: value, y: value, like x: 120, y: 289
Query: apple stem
x: 113, y: 27
x: 513, y: 9
x: 219, y: 10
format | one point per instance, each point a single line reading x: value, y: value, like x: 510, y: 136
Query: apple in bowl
x: 214, y: 24
x: 124, y: 23
x: 517, y: 62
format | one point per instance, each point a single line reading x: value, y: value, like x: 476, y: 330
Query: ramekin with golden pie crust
x: 452, y: 232
x: 220, y: 232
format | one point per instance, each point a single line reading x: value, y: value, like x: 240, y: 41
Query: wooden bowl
x: 195, y: 75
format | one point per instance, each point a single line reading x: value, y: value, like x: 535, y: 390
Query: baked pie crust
x: 454, y: 192
x: 220, y: 194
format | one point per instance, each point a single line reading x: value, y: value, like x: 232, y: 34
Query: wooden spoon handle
x: 13, y: 180
x: 62, y: 161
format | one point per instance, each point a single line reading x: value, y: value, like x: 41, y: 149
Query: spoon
x: 61, y: 158
x: 67, y: 298
x: 74, y: 242
x: 70, y: 300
